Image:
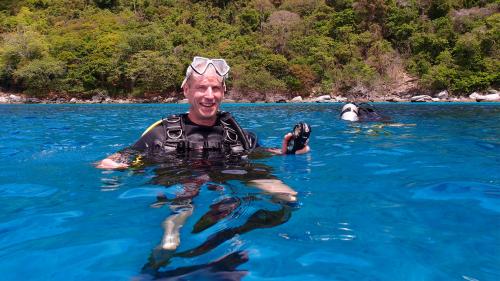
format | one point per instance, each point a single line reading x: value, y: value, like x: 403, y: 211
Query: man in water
x: 204, y: 127
x: 361, y: 112
x: 202, y: 132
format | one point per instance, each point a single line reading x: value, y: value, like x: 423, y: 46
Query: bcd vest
x: 226, y: 137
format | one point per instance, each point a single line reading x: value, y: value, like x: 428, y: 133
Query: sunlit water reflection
x: 414, y: 201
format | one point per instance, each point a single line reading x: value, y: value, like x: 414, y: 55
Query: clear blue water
x: 415, y: 202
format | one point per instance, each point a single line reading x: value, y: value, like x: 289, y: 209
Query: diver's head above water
x: 349, y: 112
x: 362, y: 112
x: 204, y: 87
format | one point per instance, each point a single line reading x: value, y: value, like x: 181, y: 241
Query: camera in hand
x: 300, y: 137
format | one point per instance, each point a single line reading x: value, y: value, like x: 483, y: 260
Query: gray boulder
x: 323, y: 98
x: 340, y: 99
x: 493, y: 91
x: 100, y: 97
x: 123, y: 101
x: 475, y: 95
x: 421, y: 98
x: 169, y: 100
x: 15, y: 99
x: 443, y: 95
x: 491, y: 97
x: 395, y: 99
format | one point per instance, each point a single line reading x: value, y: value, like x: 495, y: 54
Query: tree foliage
x: 137, y: 47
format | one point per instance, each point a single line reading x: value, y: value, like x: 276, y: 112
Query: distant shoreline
x: 19, y: 98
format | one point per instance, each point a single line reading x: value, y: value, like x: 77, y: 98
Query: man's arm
x: 121, y: 160
x: 277, y: 188
x: 284, y: 147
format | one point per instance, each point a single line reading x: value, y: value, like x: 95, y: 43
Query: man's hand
x: 286, y: 139
x: 112, y: 163
x: 284, y: 147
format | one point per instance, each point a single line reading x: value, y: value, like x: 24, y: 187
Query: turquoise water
x: 418, y: 201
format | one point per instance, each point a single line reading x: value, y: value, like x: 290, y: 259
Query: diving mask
x: 201, y: 64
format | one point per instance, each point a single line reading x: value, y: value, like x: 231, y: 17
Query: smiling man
x: 204, y: 89
x: 204, y: 128
x: 205, y: 133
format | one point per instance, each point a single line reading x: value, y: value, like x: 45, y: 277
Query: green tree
x: 151, y: 72
x: 439, y: 8
x: 106, y: 4
x: 279, y: 29
x: 40, y: 76
x: 371, y: 11
x: 442, y: 75
x: 339, y: 4
x: 248, y: 80
x: 281, y: 45
x: 467, y: 52
x: 301, y: 7
x: 401, y: 23
x: 19, y: 49
x: 249, y: 20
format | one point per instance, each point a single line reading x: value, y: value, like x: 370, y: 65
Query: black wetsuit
x: 366, y: 113
x: 181, y: 149
x: 184, y: 136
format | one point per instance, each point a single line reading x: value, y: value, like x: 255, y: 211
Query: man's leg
x: 183, y: 208
x: 172, y: 225
x: 277, y: 188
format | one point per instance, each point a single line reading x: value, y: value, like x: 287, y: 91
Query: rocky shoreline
x: 491, y: 95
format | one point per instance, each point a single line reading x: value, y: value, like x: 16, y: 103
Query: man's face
x: 204, y: 93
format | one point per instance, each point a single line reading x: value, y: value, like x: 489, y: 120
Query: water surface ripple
x: 417, y: 199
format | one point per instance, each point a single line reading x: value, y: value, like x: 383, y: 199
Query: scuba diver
x: 204, y: 127
x: 204, y: 137
x: 362, y: 112
x: 374, y: 123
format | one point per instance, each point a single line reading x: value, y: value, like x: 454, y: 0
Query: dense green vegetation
x: 142, y: 47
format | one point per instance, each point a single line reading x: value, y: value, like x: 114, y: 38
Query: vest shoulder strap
x: 174, y: 127
x: 233, y: 132
x: 152, y: 127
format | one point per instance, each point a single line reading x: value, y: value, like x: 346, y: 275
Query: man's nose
x: 209, y: 93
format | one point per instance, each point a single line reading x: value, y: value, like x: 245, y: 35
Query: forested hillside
x: 137, y: 47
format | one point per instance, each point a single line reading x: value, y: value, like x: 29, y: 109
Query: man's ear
x: 185, y: 90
